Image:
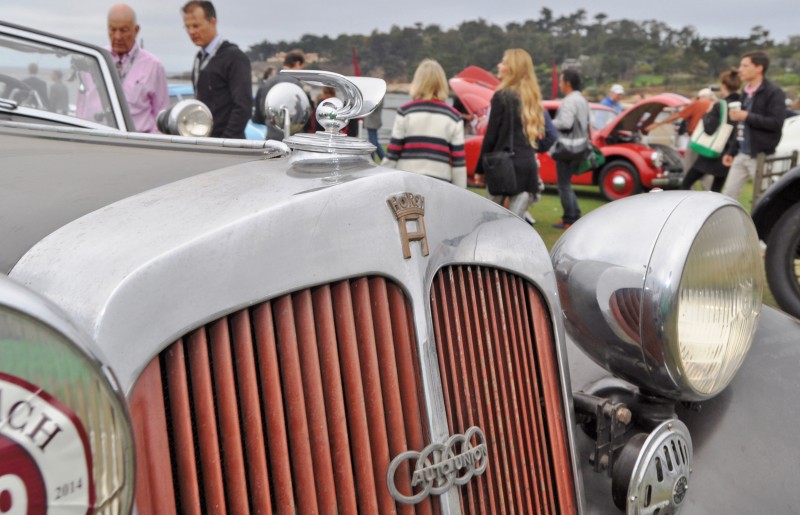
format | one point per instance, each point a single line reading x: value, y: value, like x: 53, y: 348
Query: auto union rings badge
x: 439, y: 466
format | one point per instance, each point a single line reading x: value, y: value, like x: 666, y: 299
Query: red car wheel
x: 619, y: 179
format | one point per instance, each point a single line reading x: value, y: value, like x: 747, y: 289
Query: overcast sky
x: 246, y: 22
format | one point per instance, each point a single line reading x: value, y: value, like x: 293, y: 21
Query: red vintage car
x: 632, y: 164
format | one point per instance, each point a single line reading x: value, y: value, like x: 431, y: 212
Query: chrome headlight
x: 664, y: 290
x: 65, y: 437
x: 188, y: 117
x: 657, y: 159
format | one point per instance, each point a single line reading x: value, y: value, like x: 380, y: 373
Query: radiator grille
x: 499, y: 371
x: 293, y: 406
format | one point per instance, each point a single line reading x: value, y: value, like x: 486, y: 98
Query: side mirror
x: 287, y: 107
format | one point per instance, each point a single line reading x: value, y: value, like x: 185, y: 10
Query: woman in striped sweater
x: 428, y: 135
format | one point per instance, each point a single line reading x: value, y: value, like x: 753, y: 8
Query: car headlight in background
x: 188, y: 117
x: 65, y: 437
x: 657, y: 159
x: 663, y: 290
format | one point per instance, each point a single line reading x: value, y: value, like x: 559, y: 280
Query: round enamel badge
x: 45, y: 458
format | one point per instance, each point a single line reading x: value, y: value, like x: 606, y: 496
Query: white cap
x: 705, y: 93
x: 618, y: 89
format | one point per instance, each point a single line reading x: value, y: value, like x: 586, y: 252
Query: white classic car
x: 209, y: 326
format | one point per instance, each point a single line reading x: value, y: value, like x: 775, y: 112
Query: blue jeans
x: 569, y: 201
x: 372, y: 135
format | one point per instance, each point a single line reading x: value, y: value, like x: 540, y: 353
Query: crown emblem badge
x: 409, y: 209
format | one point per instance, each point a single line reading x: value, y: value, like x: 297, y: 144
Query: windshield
x: 52, y: 79
x: 601, y: 118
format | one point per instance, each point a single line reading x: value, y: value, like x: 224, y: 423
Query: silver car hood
x: 73, y: 175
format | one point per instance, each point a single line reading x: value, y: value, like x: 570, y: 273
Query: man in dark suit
x: 37, y: 84
x: 221, y: 73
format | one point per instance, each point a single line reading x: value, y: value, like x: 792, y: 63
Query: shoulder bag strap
x: 509, y: 106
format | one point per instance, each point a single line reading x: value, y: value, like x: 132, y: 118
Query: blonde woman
x: 428, y: 134
x: 516, y: 124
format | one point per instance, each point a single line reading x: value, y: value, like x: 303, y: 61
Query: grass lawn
x: 548, y: 211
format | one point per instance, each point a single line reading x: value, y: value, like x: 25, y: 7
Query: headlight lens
x: 188, y: 117
x: 657, y: 158
x: 66, y: 416
x: 719, y: 302
x: 664, y: 290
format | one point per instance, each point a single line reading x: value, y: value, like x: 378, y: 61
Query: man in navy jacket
x: 759, y: 122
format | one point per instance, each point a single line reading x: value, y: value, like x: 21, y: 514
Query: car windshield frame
x: 88, y: 77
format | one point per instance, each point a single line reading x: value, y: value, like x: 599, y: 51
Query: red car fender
x: 635, y: 154
x: 472, y: 149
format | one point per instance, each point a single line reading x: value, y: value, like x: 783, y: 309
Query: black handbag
x: 501, y: 177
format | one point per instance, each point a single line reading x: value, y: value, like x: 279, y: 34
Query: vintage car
x: 777, y: 219
x: 208, y: 326
x: 632, y: 165
x: 790, y: 136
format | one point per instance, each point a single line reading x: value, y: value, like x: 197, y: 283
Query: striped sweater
x: 428, y: 138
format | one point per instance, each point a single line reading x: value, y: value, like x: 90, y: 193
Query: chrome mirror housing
x: 287, y: 107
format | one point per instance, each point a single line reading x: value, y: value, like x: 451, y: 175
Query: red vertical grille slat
x: 373, y: 393
x: 150, y: 473
x: 354, y: 397
x: 553, y: 403
x: 499, y: 371
x: 389, y: 380
x: 334, y: 401
x: 402, y: 328
x: 536, y: 444
x: 206, y: 421
x: 255, y: 447
x: 228, y: 416
x: 315, y: 403
x: 295, y: 405
x: 274, y: 414
x: 473, y: 375
x: 181, y: 415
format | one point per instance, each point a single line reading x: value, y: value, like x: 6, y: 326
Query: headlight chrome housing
x: 188, y: 117
x: 65, y: 436
x: 671, y: 304
x: 657, y: 159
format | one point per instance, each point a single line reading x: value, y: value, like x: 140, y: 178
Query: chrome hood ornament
x: 360, y: 96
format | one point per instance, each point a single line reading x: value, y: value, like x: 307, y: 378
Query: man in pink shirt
x: 141, y: 73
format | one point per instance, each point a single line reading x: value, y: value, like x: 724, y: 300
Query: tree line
x: 640, y: 53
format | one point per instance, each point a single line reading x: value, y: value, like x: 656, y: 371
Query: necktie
x: 201, y: 55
